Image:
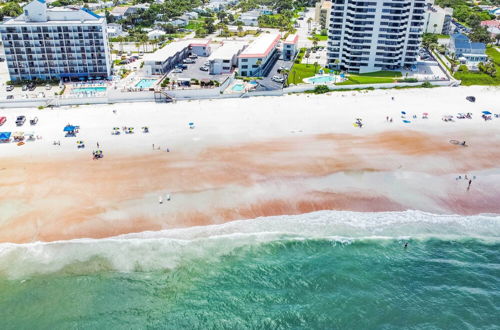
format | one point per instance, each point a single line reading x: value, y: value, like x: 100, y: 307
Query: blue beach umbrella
x: 5, y: 135
x: 69, y: 128
x: 191, y: 124
x: 487, y: 112
x: 402, y: 112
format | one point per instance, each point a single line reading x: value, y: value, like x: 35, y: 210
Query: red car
x: 2, y: 120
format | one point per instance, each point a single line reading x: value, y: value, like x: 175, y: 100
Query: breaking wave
x: 167, y: 249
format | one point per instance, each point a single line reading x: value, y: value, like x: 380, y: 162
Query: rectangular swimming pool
x: 145, y: 83
x: 238, y: 87
x: 88, y: 90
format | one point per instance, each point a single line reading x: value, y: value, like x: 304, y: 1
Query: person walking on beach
x: 97, y: 145
x: 470, y: 182
x: 153, y: 146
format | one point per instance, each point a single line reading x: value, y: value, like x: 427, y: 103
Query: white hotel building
x: 257, y: 59
x: 374, y: 35
x: 56, y: 43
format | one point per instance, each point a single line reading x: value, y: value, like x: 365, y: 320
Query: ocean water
x: 323, y: 270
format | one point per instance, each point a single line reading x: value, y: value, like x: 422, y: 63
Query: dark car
x: 181, y: 66
x: 20, y: 120
x: 10, y: 97
x: 471, y: 98
x: 31, y: 86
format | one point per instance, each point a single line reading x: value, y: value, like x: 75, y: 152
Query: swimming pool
x: 321, y: 79
x: 238, y: 87
x: 145, y: 83
x: 88, y: 90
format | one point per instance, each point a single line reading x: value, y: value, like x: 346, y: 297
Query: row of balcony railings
x: 51, y: 37
x: 55, y: 29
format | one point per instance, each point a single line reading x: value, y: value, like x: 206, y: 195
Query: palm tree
x: 258, y: 63
x: 309, y: 21
x: 435, y: 26
x: 315, y: 67
x: 240, y: 27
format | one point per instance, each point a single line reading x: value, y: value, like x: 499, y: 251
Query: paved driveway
x: 193, y: 72
x: 266, y: 83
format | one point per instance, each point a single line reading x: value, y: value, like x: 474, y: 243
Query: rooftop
x: 36, y: 13
x: 292, y: 39
x: 462, y: 41
x: 492, y: 23
x: 171, y: 49
x: 228, y: 50
x: 262, y: 45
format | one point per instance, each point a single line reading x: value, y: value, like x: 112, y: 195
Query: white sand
x: 241, y: 120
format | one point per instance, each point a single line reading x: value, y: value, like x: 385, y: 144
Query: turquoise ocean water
x: 324, y: 270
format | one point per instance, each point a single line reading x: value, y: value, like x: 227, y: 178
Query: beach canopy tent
x: 69, y: 128
x: 5, y: 136
x: 486, y: 112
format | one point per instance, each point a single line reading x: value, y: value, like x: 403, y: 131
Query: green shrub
x: 408, y: 80
x: 463, y: 68
x: 427, y: 85
x: 321, y: 89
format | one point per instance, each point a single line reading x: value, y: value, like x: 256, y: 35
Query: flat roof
x: 292, y: 39
x: 173, y: 48
x: 227, y: 50
x: 261, y: 46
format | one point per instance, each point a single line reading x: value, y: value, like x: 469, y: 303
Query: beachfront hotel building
x: 56, y: 43
x: 258, y: 59
x: 225, y: 58
x: 166, y: 58
x: 373, y: 35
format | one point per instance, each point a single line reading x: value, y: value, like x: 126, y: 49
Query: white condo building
x: 374, y: 35
x: 56, y: 43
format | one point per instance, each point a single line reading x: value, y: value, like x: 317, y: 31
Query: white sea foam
x: 168, y: 249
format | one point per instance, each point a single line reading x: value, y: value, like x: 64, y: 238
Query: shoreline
x: 285, y: 155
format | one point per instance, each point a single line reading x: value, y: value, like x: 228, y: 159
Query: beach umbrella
x: 425, y: 114
x: 5, y: 135
x: 402, y: 112
x: 486, y: 112
x: 191, y: 124
x: 69, y: 128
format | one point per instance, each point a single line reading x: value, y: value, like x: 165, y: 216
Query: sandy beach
x: 247, y: 158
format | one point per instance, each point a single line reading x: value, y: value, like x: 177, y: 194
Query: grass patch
x: 388, y: 74
x: 379, y: 77
x: 480, y: 78
x: 301, y: 71
x: 319, y: 36
x: 443, y: 36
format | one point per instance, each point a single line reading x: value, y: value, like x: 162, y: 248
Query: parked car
x: 188, y: 61
x: 278, y: 79
x: 193, y: 56
x: 31, y: 86
x: 34, y: 121
x: 177, y: 70
x: 3, y: 120
x: 20, y: 120
x: 181, y: 66
x: 24, y: 88
x: 48, y: 87
x: 204, y: 68
x: 9, y: 88
x: 10, y: 97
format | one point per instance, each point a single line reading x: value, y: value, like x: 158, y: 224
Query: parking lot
x: 193, y: 72
x: 38, y: 92
x: 266, y: 83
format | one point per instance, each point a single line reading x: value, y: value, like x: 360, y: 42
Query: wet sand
x: 73, y: 196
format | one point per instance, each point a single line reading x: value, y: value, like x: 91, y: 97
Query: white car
x: 278, y: 79
x: 204, y: 68
x: 178, y: 70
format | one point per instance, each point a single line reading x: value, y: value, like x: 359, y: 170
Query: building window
x: 244, y: 59
x: 244, y: 66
